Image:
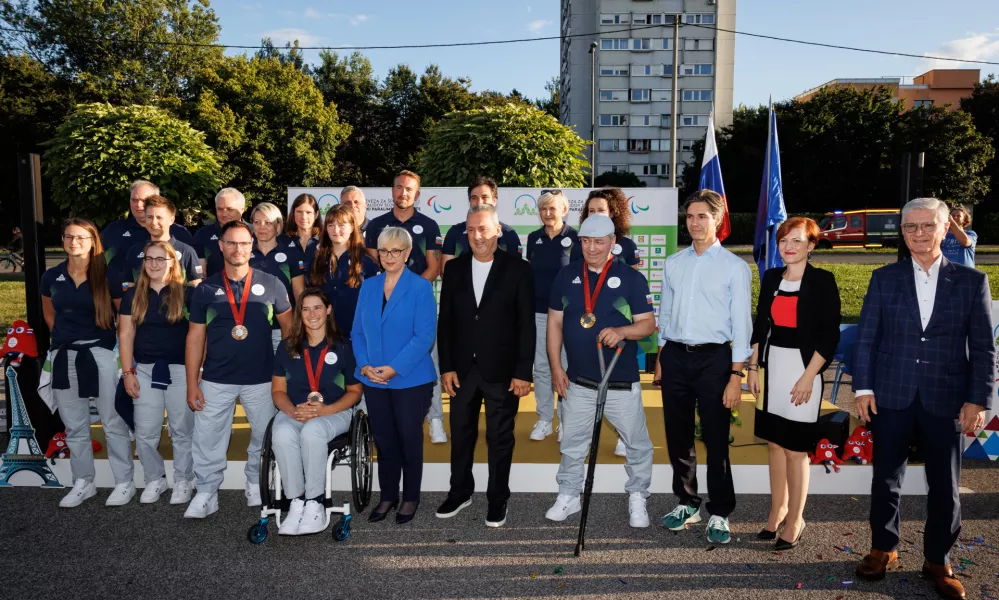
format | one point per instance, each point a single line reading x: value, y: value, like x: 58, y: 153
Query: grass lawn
x: 851, y: 278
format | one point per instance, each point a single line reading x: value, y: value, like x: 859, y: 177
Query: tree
x: 270, y: 124
x: 100, y: 149
x: 983, y: 106
x: 349, y: 83
x: 292, y: 54
x: 516, y: 145
x: 550, y: 104
x: 120, y: 51
x: 621, y: 179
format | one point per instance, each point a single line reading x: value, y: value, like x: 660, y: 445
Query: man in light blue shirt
x: 959, y: 244
x: 705, y: 325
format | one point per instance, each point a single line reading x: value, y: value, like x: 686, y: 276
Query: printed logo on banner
x: 655, y: 286
x: 658, y: 251
x: 659, y: 240
x: 438, y: 208
x: 326, y: 202
x: 641, y: 239
x: 657, y: 263
x: 657, y: 297
x: 655, y: 310
x: 656, y: 276
x: 635, y: 206
x: 641, y: 263
x: 525, y: 204
x: 642, y: 251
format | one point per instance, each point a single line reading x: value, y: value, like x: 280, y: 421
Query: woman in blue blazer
x: 394, y: 329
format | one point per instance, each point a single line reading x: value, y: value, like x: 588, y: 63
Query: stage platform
x: 535, y: 463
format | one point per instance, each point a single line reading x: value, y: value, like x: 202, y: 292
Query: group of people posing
x: 301, y: 321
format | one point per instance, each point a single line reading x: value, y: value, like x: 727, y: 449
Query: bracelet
x: 753, y: 365
x: 128, y: 372
x: 739, y: 373
x: 753, y: 368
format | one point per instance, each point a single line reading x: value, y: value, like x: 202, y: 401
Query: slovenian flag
x: 711, y: 176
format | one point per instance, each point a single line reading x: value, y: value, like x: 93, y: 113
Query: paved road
x: 863, y: 258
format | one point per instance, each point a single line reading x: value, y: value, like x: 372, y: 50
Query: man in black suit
x: 485, y: 339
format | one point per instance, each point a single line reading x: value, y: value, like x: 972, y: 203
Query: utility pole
x: 29, y: 174
x: 593, y: 112
x: 673, y: 111
x: 910, y: 187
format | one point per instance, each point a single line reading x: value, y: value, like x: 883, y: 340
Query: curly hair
x: 617, y: 202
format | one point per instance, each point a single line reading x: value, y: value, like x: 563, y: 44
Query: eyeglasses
x: 552, y: 192
x: 924, y: 227
x: 155, y: 260
x: 233, y: 245
x: 394, y: 253
x: 79, y: 239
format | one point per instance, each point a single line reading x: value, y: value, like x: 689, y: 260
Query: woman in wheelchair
x: 315, y: 392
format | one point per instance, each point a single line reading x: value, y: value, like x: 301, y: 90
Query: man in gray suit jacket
x: 924, y: 365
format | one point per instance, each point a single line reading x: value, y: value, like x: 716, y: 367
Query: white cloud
x: 528, y: 9
x: 311, y: 13
x: 251, y: 7
x: 290, y: 34
x: 537, y: 25
x: 354, y: 20
x: 977, y: 46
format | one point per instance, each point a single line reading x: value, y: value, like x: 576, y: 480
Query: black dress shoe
x: 402, y: 518
x: 496, y: 515
x: 377, y: 515
x: 783, y: 544
x: 452, y: 506
x: 766, y: 534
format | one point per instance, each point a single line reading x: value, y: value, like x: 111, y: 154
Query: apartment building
x: 634, y: 78
x: 939, y: 87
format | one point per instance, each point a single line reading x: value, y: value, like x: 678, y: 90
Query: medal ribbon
x: 314, y: 376
x: 238, y: 312
x: 587, y: 300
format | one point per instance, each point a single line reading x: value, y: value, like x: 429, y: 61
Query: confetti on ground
x: 623, y: 582
x: 854, y: 499
x: 830, y: 578
x: 709, y: 548
x: 558, y: 571
x: 799, y: 586
x: 846, y: 583
x: 534, y: 575
x: 819, y: 557
x: 847, y: 533
x: 749, y: 566
x: 560, y: 587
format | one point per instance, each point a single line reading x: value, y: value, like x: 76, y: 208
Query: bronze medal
x: 314, y: 398
x: 239, y: 332
x: 588, y: 320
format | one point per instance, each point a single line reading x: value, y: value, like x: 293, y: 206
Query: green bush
x: 743, y: 228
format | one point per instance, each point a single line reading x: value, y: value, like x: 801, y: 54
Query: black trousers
x: 397, y: 427
x: 689, y: 380
x: 939, y: 438
x: 501, y: 411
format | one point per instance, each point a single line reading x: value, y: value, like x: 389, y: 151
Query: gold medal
x: 239, y: 332
x: 314, y: 398
x: 588, y: 320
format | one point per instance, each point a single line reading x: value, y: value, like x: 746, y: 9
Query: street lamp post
x: 593, y: 113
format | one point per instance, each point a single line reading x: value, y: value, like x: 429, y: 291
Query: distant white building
x: 635, y: 75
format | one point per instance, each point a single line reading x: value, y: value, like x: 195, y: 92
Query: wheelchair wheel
x: 362, y: 448
x: 342, y: 529
x: 258, y: 532
x: 269, y: 472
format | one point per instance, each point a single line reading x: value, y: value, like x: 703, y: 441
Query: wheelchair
x: 354, y: 448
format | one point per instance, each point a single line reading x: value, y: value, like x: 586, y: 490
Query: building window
x: 667, y: 44
x: 699, y: 19
x: 693, y: 120
x: 644, y: 70
x: 640, y: 95
x: 648, y: 19
x: 650, y: 170
x: 662, y: 96
x: 698, y: 69
x: 612, y: 168
x: 613, y: 19
x: 613, y: 95
x: 613, y: 71
x: 686, y: 145
x: 612, y: 145
x: 639, y: 145
x: 697, y: 95
x: 665, y: 120
x: 613, y: 120
x: 922, y: 103
x: 667, y: 70
x: 615, y: 44
x: 642, y: 120
x: 641, y: 44
x: 706, y: 44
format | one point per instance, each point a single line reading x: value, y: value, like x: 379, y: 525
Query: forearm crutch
x: 598, y: 417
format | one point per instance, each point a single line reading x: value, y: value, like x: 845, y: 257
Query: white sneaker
x: 182, y: 491
x: 82, y: 490
x: 252, y: 494
x: 559, y: 430
x: 437, y: 435
x: 292, y: 518
x: 153, y: 491
x: 204, y: 504
x: 542, y: 429
x: 620, y: 450
x: 563, y: 507
x: 637, y: 515
x: 314, y: 520
x: 121, y: 495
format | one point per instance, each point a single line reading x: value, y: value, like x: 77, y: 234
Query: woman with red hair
x: 794, y: 338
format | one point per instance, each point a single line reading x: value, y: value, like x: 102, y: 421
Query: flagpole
x: 770, y: 134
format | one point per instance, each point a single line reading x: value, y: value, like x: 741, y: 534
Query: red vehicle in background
x: 867, y: 228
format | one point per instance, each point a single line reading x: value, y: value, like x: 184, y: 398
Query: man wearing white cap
x: 597, y: 299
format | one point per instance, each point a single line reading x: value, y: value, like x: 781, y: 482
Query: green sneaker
x: 680, y: 516
x: 718, y: 530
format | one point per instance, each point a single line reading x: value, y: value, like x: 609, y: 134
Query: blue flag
x: 770, y: 210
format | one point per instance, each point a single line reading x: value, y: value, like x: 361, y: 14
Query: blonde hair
x: 174, y: 301
x: 271, y: 213
x: 559, y: 200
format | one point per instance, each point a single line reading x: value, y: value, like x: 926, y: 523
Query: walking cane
x: 598, y: 417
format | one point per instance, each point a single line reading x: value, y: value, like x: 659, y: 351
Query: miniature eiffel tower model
x: 22, y: 431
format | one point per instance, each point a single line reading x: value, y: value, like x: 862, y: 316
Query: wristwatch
x: 741, y: 374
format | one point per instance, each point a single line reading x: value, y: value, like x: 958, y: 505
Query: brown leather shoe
x: 875, y: 564
x: 943, y: 578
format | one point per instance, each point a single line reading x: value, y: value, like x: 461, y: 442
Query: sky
x: 763, y: 68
